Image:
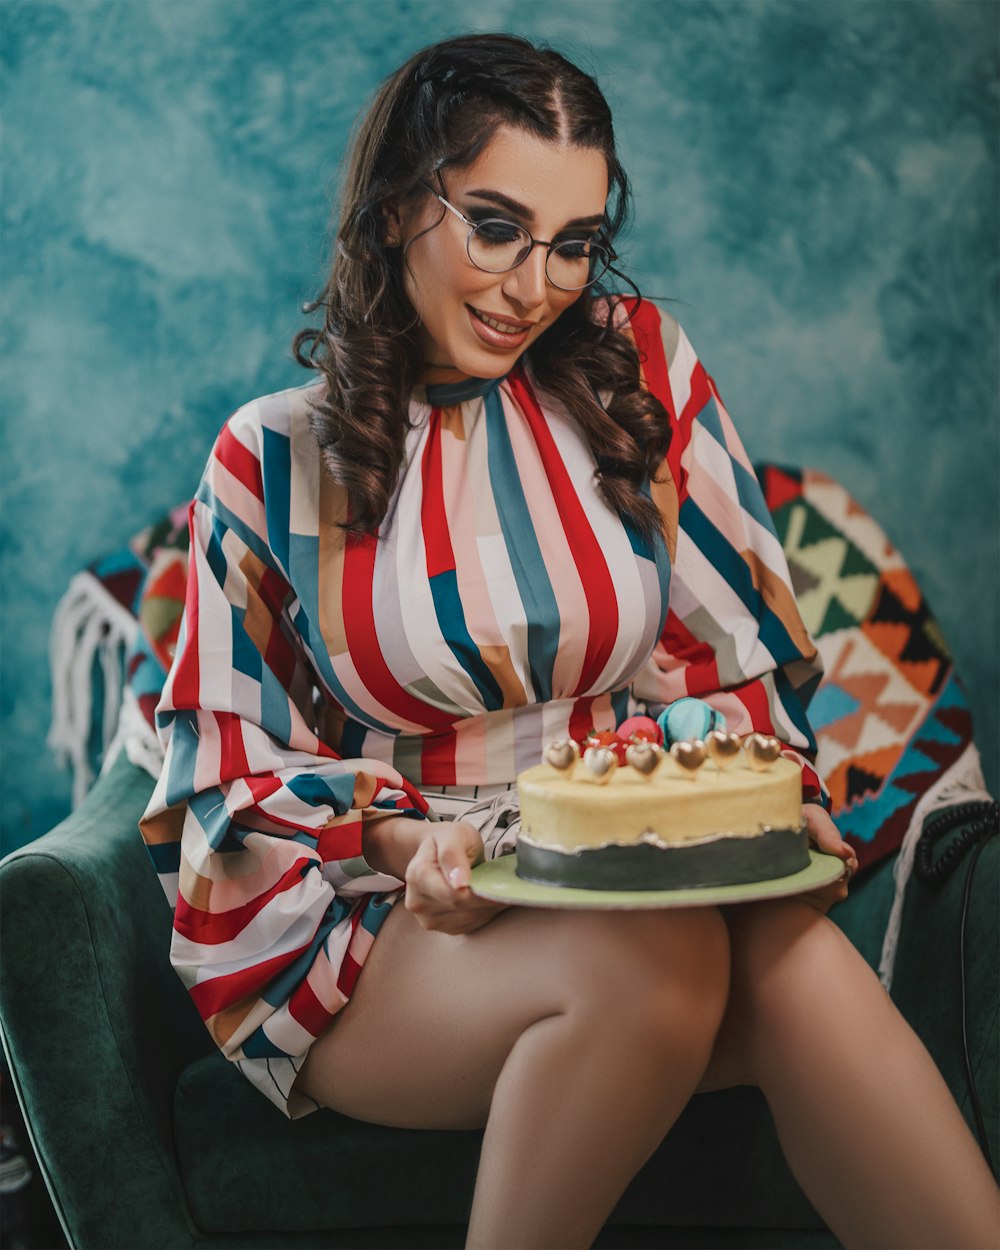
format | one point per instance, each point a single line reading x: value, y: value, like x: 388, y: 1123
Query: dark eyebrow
x: 519, y: 210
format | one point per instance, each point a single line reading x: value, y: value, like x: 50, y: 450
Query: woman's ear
x: 392, y: 228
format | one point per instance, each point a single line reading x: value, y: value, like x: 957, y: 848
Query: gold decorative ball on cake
x: 762, y: 751
x: 562, y: 754
x: 644, y: 757
x: 723, y: 748
x: 600, y: 763
x: 690, y: 755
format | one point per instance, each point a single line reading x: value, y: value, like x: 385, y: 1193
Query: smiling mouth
x: 501, y: 327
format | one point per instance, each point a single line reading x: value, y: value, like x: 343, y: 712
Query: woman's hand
x: 825, y: 836
x: 437, y: 880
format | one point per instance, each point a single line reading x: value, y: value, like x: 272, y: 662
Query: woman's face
x: 551, y: 190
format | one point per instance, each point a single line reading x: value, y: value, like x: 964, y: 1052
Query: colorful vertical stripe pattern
x: 733, y: 634
x: 320, y: 680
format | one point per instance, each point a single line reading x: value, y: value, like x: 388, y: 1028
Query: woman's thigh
x: 434, y: 1016
x: 776, y: 948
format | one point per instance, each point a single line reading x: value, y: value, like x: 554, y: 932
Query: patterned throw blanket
x: 891, y: 718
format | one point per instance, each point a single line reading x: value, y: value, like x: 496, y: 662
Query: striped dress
x: 321, y: 682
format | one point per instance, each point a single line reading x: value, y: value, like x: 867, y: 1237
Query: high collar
x: 444, y: 394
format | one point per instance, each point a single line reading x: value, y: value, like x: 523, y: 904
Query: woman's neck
x: 441, y: 375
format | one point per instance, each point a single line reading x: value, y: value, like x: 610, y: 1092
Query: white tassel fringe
x: 89, y: 625
x: 136, y: 737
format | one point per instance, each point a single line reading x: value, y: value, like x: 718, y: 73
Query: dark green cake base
x: 642, y: 866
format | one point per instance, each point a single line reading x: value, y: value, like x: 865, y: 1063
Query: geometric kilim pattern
x: 890, y: 715
x: 875, y: 819
x: 901, y: 626
x: 866, y: 714
x: 834, y: 582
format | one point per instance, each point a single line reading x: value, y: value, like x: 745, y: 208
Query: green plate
x: 497, y: 880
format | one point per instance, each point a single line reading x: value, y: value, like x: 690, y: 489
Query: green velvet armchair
x: 147, y: 1137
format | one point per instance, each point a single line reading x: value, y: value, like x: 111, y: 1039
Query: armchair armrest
x: 930, y: 967
x: 96, y: 1025
x: 927, y: 977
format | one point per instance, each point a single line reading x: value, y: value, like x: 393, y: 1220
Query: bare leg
x: 575, y: 1038
x: 866, y: 1121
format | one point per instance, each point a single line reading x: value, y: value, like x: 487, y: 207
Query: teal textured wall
x: 816, y: 186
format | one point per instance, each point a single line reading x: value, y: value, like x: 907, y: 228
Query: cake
x: 704, y: 813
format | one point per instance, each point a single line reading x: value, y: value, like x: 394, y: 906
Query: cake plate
x: 497, y: 880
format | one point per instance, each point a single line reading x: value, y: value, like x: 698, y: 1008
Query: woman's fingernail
x: 456, y: 878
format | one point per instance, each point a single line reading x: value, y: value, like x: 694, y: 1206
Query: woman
x: 511, y: 504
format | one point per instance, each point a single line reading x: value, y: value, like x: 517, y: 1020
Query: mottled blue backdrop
x: 816, y: 185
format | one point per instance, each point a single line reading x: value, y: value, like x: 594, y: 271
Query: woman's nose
x: 527, y: 284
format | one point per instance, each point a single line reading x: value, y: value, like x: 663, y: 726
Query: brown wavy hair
x: 439, y: 111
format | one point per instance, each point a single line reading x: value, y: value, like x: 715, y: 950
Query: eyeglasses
x: 497, y: 246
